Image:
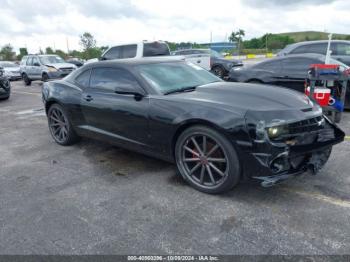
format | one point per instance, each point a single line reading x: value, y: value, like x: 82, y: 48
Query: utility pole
x: 266, y: 42
x: 211, y: 38
x: 67, y: 45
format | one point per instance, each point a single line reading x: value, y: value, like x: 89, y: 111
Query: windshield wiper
x: 181, y: 90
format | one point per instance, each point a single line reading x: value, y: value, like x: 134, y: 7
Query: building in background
x: 220, y: 46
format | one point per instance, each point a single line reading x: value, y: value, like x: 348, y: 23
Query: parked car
x: 340, y: 49
x: 11, y: 70
x: 216, y: 132
x: 5, y: 85
x: 288, y: 71
x: 217, y: 63
x: 137, y: 50
x: 75, y: 61
x: 44, y: 67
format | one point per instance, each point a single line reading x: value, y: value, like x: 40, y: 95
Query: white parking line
x: 26, y: 93
x: 320, y: 197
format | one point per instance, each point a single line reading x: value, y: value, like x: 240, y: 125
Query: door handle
x: 88, y: 98
x: 198, y: 61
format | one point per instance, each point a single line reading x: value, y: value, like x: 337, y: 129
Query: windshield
x: 51, y: 59
x: 166, y: 77
x: 216, y: 54
x: 7, y: 64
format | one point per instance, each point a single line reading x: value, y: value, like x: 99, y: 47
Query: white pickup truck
x: 149, y: 49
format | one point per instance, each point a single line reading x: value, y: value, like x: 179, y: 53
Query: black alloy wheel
x: 45, y: 77
x: 207, y: 160
x: 26, y: 80
x: 219, y: 71
x: 60, y: 127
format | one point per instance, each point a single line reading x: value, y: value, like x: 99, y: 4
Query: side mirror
x: 36, y: 64
x: 127, y: 89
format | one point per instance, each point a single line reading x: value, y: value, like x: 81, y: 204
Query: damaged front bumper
x: 293, y: 154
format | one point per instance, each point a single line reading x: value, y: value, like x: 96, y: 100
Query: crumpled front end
x: 288, y: 143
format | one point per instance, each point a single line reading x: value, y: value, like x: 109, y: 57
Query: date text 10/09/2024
x: 173, y: 258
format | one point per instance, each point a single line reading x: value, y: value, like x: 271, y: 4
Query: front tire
x: 207, y: 160
x: 219, y: 71
x: 45, y: 77
x: 60, y: 126
x: 26, y: 80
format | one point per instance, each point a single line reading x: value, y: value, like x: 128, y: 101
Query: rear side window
x: 155, y: 49
x: 108, y: 79
x: 342, y: 49
x: 301, y: 50
x: 84, y: 78
x: 128, y: 51
x: 113, y: 53
x: 318, y: 48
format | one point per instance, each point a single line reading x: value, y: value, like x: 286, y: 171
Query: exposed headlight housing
x: 276, y: 131
x: 52, y: 69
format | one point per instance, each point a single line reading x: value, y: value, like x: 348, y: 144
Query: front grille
x: 308, y: 125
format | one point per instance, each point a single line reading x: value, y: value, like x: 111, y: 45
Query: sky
x: 37, y: 24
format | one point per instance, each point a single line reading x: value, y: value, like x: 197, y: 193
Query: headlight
x: 276, y: 131
x: 52, y: 69
x: 229, y: 65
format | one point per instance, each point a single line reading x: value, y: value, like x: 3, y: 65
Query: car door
x: 342, y: 53
x: 294, y: 72
x: 121, y: 117
x: 36, y: 68
x: 268, y: 72
x: 198, y: 58
x: 28, y: 66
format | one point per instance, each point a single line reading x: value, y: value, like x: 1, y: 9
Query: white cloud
x: 42, y: 23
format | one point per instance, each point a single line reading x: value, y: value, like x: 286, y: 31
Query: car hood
x: 225, y: 60
x: 264, y: 101
x: 61, y: 65
x: 11, y: 69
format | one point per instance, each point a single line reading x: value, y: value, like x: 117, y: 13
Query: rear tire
x: 218, y: 71
x: 60, y: 126
x: 26, y: 80
x: 337, y: 117
x: 207, y: 160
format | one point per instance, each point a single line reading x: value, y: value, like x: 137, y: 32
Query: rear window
x: 155, y: 49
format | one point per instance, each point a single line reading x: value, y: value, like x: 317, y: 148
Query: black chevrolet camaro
x: 217, y: 133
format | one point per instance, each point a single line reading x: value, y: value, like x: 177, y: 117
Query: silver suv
x: 44, y: 67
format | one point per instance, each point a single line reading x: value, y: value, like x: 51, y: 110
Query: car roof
x: 307, y: 55
x: 191, y: 49
x: 317, y: 42
x: 137, y: 61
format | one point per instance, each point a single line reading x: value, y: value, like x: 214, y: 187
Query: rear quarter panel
x: 67, y: 95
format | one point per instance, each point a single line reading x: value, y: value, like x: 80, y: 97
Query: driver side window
x: 108, y: 79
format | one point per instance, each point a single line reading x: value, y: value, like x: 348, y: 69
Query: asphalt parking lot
x: 94, y: 198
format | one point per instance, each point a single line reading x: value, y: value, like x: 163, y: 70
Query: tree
x: 22, y: 52
x: 49, y: 51
x: 87, y: 41
x: 7, y: 53
x: 61, y: 53
x: 237, y: 37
